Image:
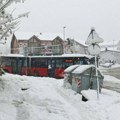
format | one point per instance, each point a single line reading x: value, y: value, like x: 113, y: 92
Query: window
x: 77, y: 61
x: 39, y: 63
x: 6, y: 62
x: 67, y: 62
x: 59, y: 63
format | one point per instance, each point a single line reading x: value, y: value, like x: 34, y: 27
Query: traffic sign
x: 93, y: 38
x: 94, y: 49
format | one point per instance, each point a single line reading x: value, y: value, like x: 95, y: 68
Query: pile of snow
x: 42, y: 98
x: 89, y: 94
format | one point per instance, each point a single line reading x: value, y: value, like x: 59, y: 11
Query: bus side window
x: 58, y: 63
x: 41, y: 63
x: 32, y: 63
x: 67, y: 63
x: 53, y: 63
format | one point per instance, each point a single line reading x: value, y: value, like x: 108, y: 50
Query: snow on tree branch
x: 7, y: 22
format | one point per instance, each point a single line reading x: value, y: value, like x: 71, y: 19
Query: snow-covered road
x: 115, y: 71
x: 111, y: 83
x: 111, y: 77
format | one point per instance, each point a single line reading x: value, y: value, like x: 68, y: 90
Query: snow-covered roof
x: 67, y: 55
x: 108, y: 50
x: 79, y: 41
x: 82, y: 68
x: 13, y: 55
x: 77, y: 55
x: 108, y: 42
x: 110, y: 45
x: 69, y: 69
x: 41, y: 36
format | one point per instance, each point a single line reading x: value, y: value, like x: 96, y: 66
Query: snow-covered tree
x: 7, y: 22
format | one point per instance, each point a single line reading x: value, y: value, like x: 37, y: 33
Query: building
x: 109, y: 56
x: 110, y: 52
x: 75, y: 47
x: 39, y: 44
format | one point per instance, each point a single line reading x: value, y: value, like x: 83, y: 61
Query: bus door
x: 51, y: 67
x: 59, y: 69
x: 42, y: 67
x: 24, y: 66
x: 32, y: 70
x: 19, y: 65
x: 14, y: 65
x: 39, y: 67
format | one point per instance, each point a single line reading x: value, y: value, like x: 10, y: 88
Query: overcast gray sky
x: 49, y: 16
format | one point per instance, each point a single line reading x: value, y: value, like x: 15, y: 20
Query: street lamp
x: 113, y: 45
x: 64, y: 37
x: 64, y: 32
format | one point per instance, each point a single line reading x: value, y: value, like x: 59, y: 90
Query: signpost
x: 94, y: 49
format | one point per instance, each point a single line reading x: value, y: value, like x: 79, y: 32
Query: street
x: 115, y: 72
x: 112, y: 86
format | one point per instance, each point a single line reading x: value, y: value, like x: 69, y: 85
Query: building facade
x: 109, y: 56
x: 36, y: 45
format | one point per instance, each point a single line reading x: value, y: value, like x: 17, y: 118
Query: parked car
x: 107, y: 64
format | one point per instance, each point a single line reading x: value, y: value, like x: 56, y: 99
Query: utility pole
x: 64, y: 27
x: 113, y: 45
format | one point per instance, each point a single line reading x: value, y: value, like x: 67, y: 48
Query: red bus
x: 44, y: 66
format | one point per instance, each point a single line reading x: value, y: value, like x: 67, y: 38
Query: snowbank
x: 40, y: 98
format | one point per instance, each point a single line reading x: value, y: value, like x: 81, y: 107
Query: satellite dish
x: 94, y: 49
